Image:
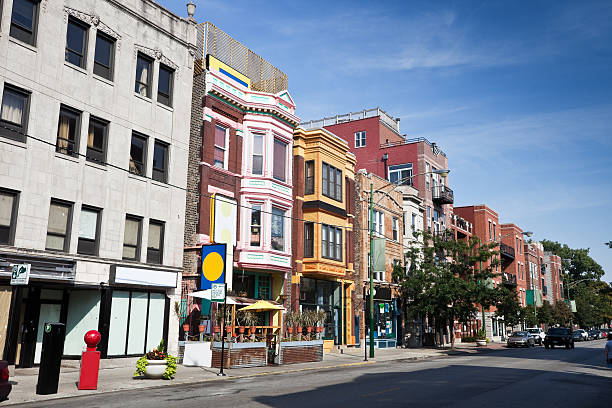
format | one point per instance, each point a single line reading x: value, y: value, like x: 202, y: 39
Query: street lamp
x: 443, y: 173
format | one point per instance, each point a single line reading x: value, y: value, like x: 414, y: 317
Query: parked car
x: 538, y: 333
x: 595, y: 334
x: 521, y: 339
x: 559, y: 336
x: 584, y: 336
x: 5, y: 385
x: 604, y: 333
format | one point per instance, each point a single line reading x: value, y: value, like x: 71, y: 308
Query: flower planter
x: 201, y: 328
x: 309, y: 329
x: 186, y: 328
x: 241, y: 329
x: 299, y: 329
x: 155, y: 369
x: 252, y: 330
x: 290, y: 330
x: 216, y: 329
x: 481, y: 343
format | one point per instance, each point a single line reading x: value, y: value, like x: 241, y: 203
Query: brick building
x: 323, y: 236
x: 388, y: 252
x: 553, y: 277
x: 514, y: 270
x: 240, y: 162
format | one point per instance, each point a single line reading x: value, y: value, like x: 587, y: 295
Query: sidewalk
x: 116, y: 374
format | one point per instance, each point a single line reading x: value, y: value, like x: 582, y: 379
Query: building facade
x: 514, y: 270
x: 388, y: 249
x: 553, y: 277
x: 323, y: 250
x: 93, y: 146
x: 241, y: 158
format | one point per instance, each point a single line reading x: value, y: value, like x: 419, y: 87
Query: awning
x: 262, y: 306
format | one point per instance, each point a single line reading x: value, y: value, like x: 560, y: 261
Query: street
x: 509, y: 377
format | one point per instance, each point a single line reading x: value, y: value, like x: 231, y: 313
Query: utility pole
x: 371, y: 270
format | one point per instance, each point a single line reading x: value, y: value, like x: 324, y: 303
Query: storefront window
x: 324, y: 295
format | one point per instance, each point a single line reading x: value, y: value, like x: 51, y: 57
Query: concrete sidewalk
x: 117, y: 374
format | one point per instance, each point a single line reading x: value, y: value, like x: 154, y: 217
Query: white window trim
x: 262, y: 206
x: 364, y: 138
x: 226, y: 148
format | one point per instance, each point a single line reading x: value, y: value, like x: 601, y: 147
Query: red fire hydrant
x: 90, y: 362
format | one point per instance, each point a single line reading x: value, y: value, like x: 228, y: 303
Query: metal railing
x: 509, y: 278
x: 443, y: 194
x: 506, y: 250
x: 385, y: 118
x: 264, y: 76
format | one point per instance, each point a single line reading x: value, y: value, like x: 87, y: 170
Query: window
x: 96, y: 140
x: 58, y: 237
x: 165, y: 84
x: 490, y: 231
x: 256, y: 225
x: 360, y: 139
x: 278, y: 229
x: 68, y: 129
x: 104, y: 56
x: 280, y: 158
x: 138, y: 155
x: 395, y: 229
x: 309, y: 179
x: 332, y: 182
x: 258, y: 140
x: 131, y: 238
x: 143, y: 75
x: 155, y: 245
x: 220, y: 146
x: 88, y: 231
x: 331, y: 242
x: 76, y: 42
x: 8, y: 216
x: 427, y: 177
x: 160, y: 161
x: 14, y: 113
x: 413, y: 225
x: 308, y: 240
x: 401, y: 174
x: 494, y: 233
x: 379, y: 222
x: 24, y: 20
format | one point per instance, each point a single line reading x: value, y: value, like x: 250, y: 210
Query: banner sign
x: 213, y: 265
x: 21, y: 274
x: 217, y: 293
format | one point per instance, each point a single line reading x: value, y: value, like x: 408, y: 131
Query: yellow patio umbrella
x: 262, y: 306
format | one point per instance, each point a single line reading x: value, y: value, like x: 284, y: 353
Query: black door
x: 29, y: 328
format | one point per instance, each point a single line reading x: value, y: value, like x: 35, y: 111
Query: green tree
x: 545, y: 313
x: 561, y: 314
x: 509, y: 308
x: 442, y: 283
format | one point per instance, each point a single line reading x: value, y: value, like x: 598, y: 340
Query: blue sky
x: 518, y: 94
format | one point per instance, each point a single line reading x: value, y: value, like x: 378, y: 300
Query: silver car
x: 521, y: 339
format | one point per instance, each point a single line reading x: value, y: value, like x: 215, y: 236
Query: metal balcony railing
x: 506, y: 250
x: 443, y: 195
x: 509, y: 279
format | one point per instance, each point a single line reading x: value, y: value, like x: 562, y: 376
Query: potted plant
x: 156, y: 364
x: 217, y: 318
x: 321, y: 318
x: 250, y: 320
x: 299, y: 321
x: 310, y: 320
x: 481, y: 337
x: 290, y: 322
x: 186, y: 328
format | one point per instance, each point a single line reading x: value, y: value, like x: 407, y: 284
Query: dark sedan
x: 5, y: 385
x: 521, y: 339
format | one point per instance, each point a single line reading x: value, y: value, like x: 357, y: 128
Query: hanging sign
x: 21, y: 274
x: 213, y: 265
x: 217, y: 293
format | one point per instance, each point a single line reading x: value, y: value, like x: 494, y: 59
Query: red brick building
x: 514, y: 270
x: 553, y: 277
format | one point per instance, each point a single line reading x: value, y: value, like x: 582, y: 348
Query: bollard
x: 90, y: 362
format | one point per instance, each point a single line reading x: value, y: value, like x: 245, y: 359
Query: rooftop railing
x: 385, y: 118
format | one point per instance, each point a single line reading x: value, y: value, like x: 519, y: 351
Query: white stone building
x: 94, y: 136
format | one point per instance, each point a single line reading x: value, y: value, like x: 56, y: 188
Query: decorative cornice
x: 155, y: 54
x: 92, y: 19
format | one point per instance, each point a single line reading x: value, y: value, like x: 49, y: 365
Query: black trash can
x: 51, y: 358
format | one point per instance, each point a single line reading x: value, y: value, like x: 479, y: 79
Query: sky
x: 517, y: 94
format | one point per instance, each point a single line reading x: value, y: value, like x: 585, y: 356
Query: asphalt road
x: 506, y: 378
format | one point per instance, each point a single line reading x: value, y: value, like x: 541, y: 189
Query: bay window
x: 278, y: 229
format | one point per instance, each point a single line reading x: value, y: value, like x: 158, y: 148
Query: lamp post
x: 395, y: 184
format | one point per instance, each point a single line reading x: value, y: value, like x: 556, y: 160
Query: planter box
x: 293, y: 352
x: 239, y: 355
x: 198, y: 354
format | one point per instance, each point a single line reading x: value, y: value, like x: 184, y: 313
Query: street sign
x: 21, y: 274
x: 217, y: 292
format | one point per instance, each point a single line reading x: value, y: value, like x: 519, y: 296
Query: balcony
x: 509, y: 279
x: 506, y: 251
x: 442, y: 195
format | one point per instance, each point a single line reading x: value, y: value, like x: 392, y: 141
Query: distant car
x: 521, y: 339
x: 595, y: 334
x: 559, y: 336
x: 577, y: 336
x: 603, y: 333
x: 5, y: 385
x: 584, y: 336
x: 538, y: 333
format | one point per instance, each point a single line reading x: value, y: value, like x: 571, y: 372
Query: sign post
x: 223, y: 288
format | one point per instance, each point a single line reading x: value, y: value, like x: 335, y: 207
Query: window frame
x: 169, y: 96
x: 138, y: 247
x: 309, y: 242
x: 395, y: 227
x: 111, y: 67
x: 162, y: 225
x: 147, y: 85
x: 96, y: 241
x: 77, y: 115
x: 67, y: 235
x: 284, y: 229
x: 399, y: 168
x: 11, y: 130
x: 12, y: 227
x: 225, y: 148
x: 251, y: 225
x: 145, y: 149
x: 161, y: 175
x: 89, y: 157
x: 278, y: 141
x: 84, y: 42
x: 262, y: 155
x: 332, y: 189
x: 360, y: 137
x: 309, y: 181
x: 34, y: 33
